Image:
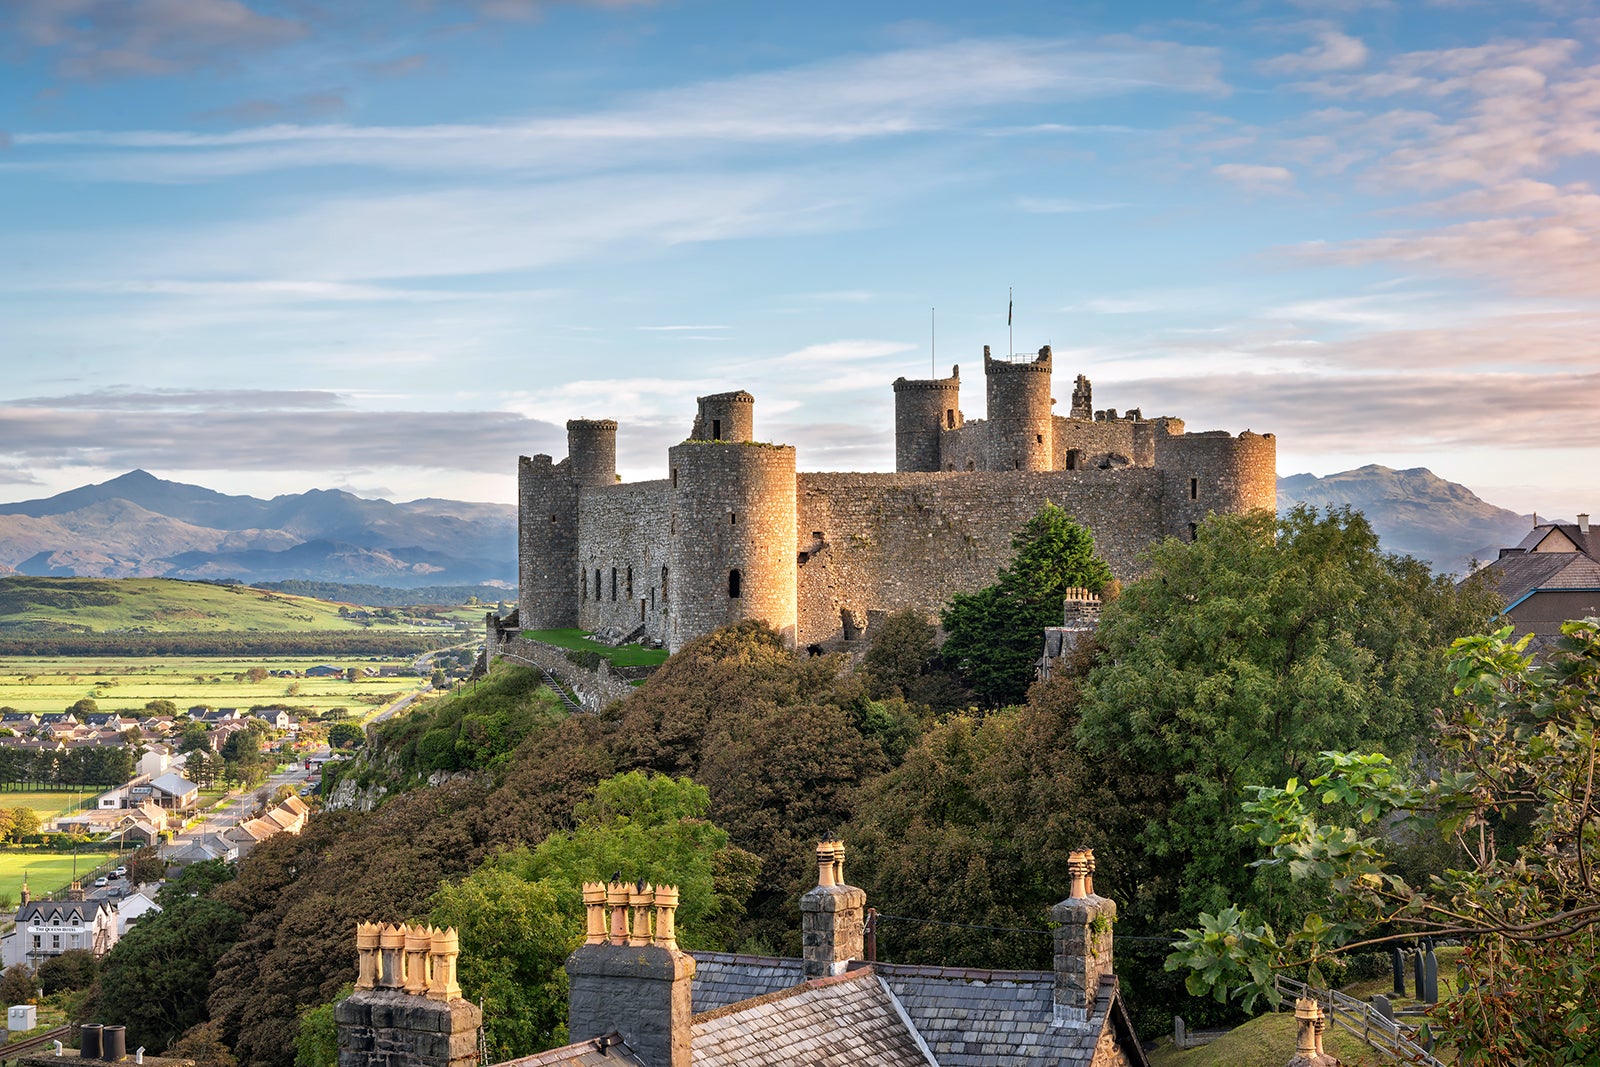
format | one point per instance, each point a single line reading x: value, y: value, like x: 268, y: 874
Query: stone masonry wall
x: 390, y: 1028
x: 890, y: 541
x: 547, y: 544
x: 592, y: 689
x: 624, y: 529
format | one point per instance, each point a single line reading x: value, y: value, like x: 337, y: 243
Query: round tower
x: 1214, y: 471
x: 732, y: 546
x: 592, y: 451
x: 725, y: 417
x: 547, y: 545
x: 923, y: 409
x: 1021, y: 432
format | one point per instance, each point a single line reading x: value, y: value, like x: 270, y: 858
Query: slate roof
x: 827, y: 1022
x: 40, y: 912
x: 723, y: 978
x: 1517, y: 574
x: 608, y: 1051
x: 977, y: 1018
x: 174, y: 784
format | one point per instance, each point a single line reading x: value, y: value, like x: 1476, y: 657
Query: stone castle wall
x: 890, y: 541
x: 734, y: 533
x: 625, y: 531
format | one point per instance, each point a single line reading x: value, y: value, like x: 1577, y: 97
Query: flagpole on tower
x: 1011, y: 345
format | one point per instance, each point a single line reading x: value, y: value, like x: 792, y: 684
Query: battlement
x: 736, y: 533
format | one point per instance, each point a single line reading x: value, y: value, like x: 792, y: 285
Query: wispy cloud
x: 1256, y: 177
x: 887, y: 95
x: 1333, y: 50
x: 1044, y: 205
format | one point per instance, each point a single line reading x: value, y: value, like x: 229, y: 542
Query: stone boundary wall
x: 593, y: 690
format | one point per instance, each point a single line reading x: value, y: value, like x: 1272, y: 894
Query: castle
x: 735, y: 532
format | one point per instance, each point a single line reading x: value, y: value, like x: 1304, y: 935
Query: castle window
x: 1038, y: 438
x: 597, y: 586
x: 1194, y: 488
x: 674, y: 477
x: 630, y: 583
x: 583, y: 579
x: 641, y: 611
x: 673, y: 526
x: 1194, y: 531
x: 716, y: 429
x: 1072, y: 459
x: 735, y: 584
x: 552, y: 520
x: 950, y: 418
x: 663, y: 584
x: 613, y: 585
x: 652, y: 600
x: 733, y: 519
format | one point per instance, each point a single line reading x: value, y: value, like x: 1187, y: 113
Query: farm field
x: 127, y: 683
x: 164, y: 605
x: 48, y: 871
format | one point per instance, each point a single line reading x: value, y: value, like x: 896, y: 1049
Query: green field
x: 49, y: 803
x: 578, y: 640
x: 162, y: 605
x: 49, y: 871
x: 127, y: 683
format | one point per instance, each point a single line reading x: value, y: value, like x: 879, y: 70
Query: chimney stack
x: 1083, y: 945
x: 629, y: 975
x: 1310, y: 1022
x: 407, y: 1010
x: 832, y: 917
x: 1583, y: 523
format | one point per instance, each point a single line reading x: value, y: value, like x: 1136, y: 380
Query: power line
x: 1118, y: 938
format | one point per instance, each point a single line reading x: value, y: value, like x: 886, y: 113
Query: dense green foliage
x: 1511, y: 794
x: 72, y: 970
x: 995, y: 634
x: 154, y: 979
x: 1243, y: 654
x: 521, y: 913
x: 90, y: 765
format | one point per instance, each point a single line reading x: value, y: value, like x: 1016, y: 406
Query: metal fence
x: 1362, y: 1020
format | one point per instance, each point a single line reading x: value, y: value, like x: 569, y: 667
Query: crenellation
x: 734, y: 532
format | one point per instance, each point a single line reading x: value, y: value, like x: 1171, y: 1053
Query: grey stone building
x: 736, y: 532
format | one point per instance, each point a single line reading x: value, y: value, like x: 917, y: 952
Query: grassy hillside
x: 160, y: 605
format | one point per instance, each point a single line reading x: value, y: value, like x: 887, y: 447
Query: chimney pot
x: 1583, y: 523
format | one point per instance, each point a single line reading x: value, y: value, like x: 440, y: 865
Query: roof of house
x: 173, y: 783
x: 844, y: 1019
x: 608, y: 1051
x: 44, y: 910
x: 723, y: 978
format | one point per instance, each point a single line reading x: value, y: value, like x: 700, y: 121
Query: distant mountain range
x: 1415, y: 512
x: 139, y: 525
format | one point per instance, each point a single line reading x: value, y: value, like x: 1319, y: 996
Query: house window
x: 1194, y: 488
x: 36, y: 940
x: 735, y: 584
x: 55, y: 940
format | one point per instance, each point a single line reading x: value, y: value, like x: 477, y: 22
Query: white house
x: 156, y: 761
x: 131, y: 907
x: 47, y: 928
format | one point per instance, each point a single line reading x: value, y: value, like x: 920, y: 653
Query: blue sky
x: 266, y: 246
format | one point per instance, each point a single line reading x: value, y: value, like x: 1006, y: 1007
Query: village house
x: 1550, y: 577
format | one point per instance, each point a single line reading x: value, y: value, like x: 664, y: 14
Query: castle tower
x: 1214, y: 472
x: 1021, y: 430
x: 923, y: 409
x: 592, y: 450
x: 547, y: 544
x: 725, y: 417
x: 732, y: 542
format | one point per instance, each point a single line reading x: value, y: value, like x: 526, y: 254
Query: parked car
x: 120, y: 872
x: 102, y: 882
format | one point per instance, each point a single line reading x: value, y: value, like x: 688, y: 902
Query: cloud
x: 399, y: 67
x: 1333, y: 50
x: 1036, y: 205
x: 674, y: 329
x: 318, y: 105
x: 833, y: 101
x: 1255, y: 178
x: 261, y: 430
x: 98, y: 39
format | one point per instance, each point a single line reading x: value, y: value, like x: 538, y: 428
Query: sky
x: 271, y: 245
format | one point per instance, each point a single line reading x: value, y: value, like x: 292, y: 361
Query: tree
x: 85, y: 706
x: 257, y: 674
x: 145, y: 866
x: 1240, y: 656
x: 18, y: 985
x: 154, y: 980
x: 72, y: 970
x: 317, y: 1042
x: 996, y: 634
x: 161, y: 707
x: 345, y: 735
x: 1512, y: 796
x: 24, y: 821
x: 903, y: 661
x: 194, y: 738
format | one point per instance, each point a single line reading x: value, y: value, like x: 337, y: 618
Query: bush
x: 73, y: 969
x: 17, y: 985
